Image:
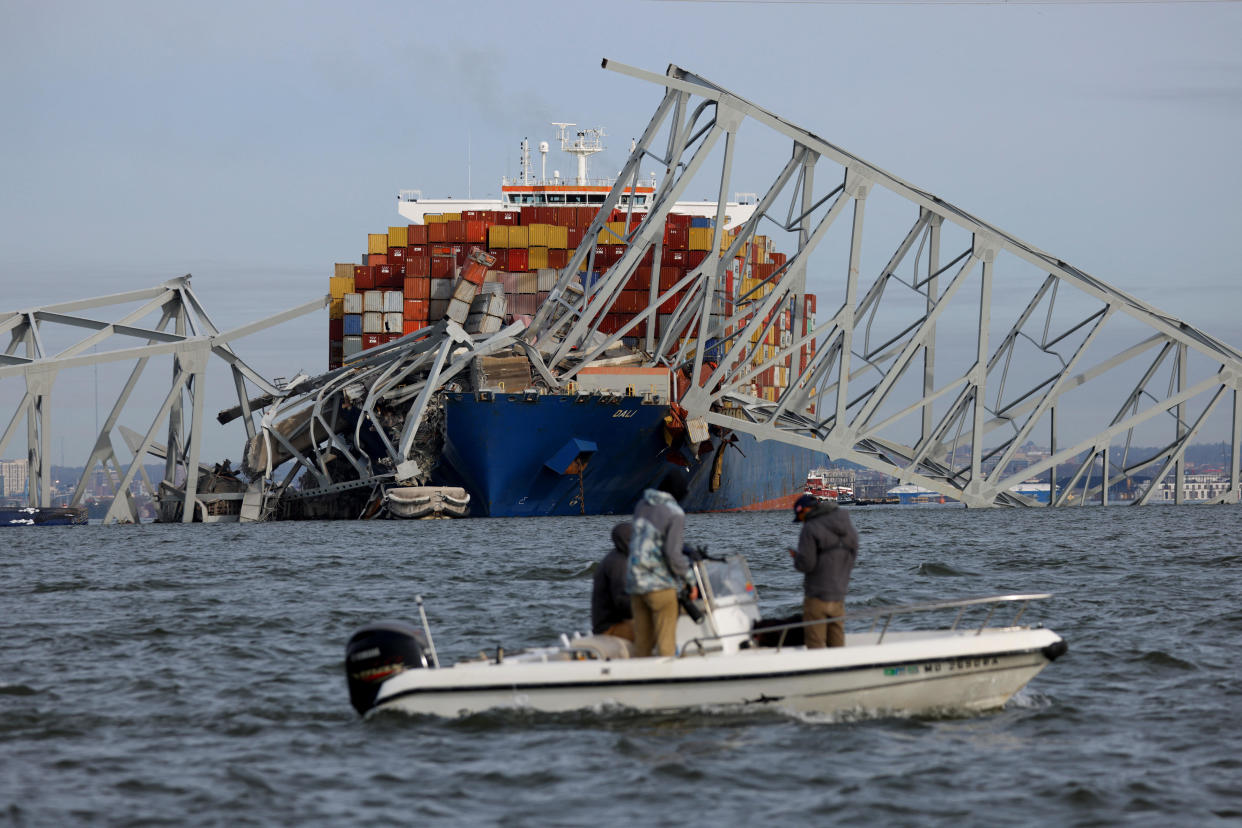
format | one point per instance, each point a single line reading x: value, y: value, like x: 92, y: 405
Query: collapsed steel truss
x: 875, y: 392
x: 877, y: 382
x: 184, y: 331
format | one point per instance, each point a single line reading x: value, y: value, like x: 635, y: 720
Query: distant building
x: 1195, y: 487
x: 13, y: 476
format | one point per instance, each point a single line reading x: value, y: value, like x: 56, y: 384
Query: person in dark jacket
x: 827, y: 548
x: 611, y: 613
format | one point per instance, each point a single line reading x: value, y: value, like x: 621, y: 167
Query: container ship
x: 518, y: 447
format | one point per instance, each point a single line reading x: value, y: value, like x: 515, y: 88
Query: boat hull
x: 911, y: 674
x: 515, y: 455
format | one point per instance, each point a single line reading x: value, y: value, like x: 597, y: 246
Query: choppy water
x: 170, y: 674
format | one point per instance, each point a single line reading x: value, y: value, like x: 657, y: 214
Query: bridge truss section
x: 50, y: 342
x: 947, y: 353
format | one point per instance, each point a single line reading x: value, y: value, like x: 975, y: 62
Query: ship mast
x: 586, y: 144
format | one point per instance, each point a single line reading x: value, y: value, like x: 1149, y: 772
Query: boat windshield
x: 728, y: 582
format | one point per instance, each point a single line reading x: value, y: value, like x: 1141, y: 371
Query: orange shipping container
x: 416, y: 234
x: 416, y: 309
x: 417, y: 287
x: 437, y: 233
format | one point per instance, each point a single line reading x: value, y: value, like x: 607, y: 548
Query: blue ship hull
x: 593, y: 455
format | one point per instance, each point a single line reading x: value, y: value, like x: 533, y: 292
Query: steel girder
x: 951, y: 345
x: 191, y: 342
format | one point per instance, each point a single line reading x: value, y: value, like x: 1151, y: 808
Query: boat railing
x: 882, y: 617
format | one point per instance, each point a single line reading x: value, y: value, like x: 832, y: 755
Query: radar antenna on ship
x: 584, y: 145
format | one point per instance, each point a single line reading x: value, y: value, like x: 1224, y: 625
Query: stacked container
x: 408, y: 279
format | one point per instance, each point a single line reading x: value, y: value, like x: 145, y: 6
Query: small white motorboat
x: 418, y: 502
x: 723, y: 659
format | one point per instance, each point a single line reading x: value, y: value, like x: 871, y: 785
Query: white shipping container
x: 528, y: 283
x: 353, y: 303
x: 351, y: 345
x: 464, y: 292
x: 437, y: 308
x: 547, y: 278
x: 394, y: 321
x: 373, y: 322
x: 458, y: 310
x: 441, y: 288
x: 373, y: 300
x: 394, y: 301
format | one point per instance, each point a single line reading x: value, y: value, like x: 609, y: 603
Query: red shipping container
x: 574, y: 237
x: 558, y: 258
x: 810, y: 303
x: 374, y: 259
x: 517, y: 259
x: 640, y: 279
x: 418, y: 266
x: 437, y: 233
x: 336, y: 329
x: 416, y: 287
x: 396, y: 255
x: 471, y: 215
x: 409, y: 326
x: 528, y: 215
x: 417, y: 309
x: 364, y: 277
x: 474, y: 232
x: 371, y: 340
x: 669, y: 276
x: 456, y: 231
x: 679, y: 220
x: 676, y: 238
x: 603, y: 254
x: 442, y: 267
x: 609, y: 323
x: 508, y: 218
x: 670, y: 304
x: 674, y: 258
x: 416, y: 234
x: 694, y: 258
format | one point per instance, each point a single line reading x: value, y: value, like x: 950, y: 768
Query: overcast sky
x: 253, y: 145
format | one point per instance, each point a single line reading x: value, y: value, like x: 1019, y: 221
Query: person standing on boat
x: 611, y: 612
x: 825, y: 555
x: 658, y: 566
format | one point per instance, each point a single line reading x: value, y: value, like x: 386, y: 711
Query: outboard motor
x: 376, y: 653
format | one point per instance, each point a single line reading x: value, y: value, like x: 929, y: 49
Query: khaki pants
x: 622, y: 629
x: 820, y: 635
x: 655, y: 622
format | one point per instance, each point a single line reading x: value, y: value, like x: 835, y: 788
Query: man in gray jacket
x: 826, y: 551
x: 658, y: 567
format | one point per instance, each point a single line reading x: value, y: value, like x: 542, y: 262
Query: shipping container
x: 397, y: 236
x: 498, y: 236
x: 393, y: 321
x: 416, y: 234
x: 436, y: 309
x: 352, y: 303
x: 371, y: 340
x: 377, y: 243
x: 538, y: 258
x: 392, y: 300
x: 417, y: 287
x: 364, y: 278
x: 336, y: 328
x: 338, y: 286
x: 351, y: 324
x: 342, y: 270
x: 373, y: 300
x: 410, y: 326
x: 440, y: 289
x: 372, y: 322
x: 416, y: 309
x: 351, y: 345
x: 517, y: 259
